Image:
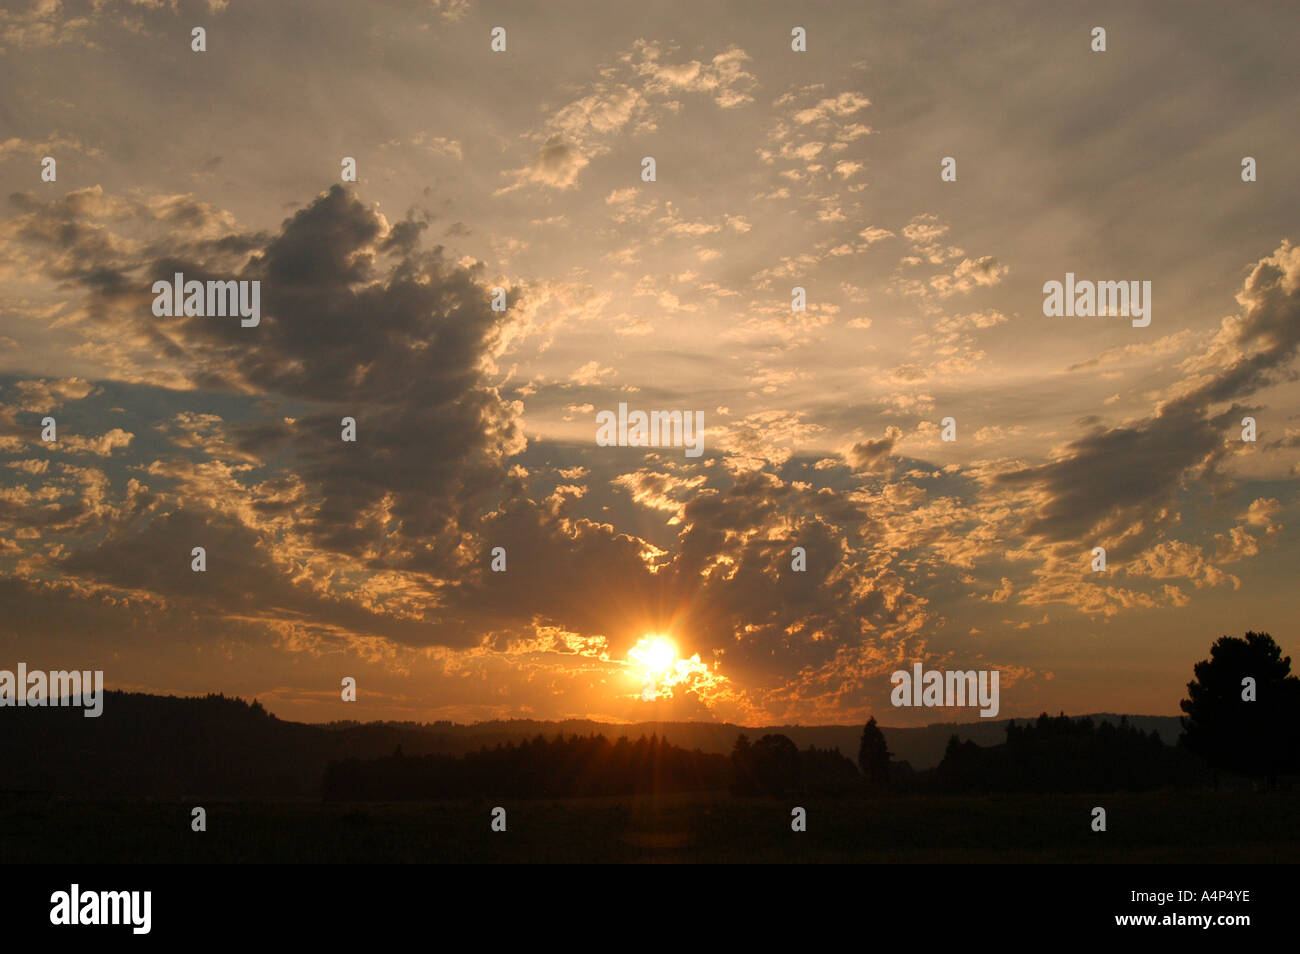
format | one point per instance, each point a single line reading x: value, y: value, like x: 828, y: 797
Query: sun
x: 655, y: 662
x: 655, y: 656
x: 660, y: 655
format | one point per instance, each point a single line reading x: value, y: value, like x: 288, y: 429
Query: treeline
x: 1058, y: 754
x: 1063, y: 754
x: 774, y: 765
x: 537, y: 768
x: 173, y: 747
x: 592, y: 765
x: 150, y: 746
x: 161, y: 747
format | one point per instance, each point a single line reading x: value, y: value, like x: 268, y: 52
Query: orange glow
x: 655, y: 662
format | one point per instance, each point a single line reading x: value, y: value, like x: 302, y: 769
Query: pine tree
x: 873, y: 756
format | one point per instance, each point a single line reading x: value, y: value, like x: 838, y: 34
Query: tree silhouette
x: 742, y: 775
x: 1259, y: 737
x: 776, y: 763
x: 873, y: 756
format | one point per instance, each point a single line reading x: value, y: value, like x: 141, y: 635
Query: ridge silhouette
x: 168, y: 747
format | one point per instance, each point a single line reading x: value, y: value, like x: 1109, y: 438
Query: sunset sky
x: 477, y: 429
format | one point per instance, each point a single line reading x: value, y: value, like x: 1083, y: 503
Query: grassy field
x: 1192, y: 827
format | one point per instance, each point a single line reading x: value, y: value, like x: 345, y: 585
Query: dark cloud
x: 1110, y: 480
x: 1117, y: 478
x: 874, y: 455
x: 357, y: 321
x: 243, y: 579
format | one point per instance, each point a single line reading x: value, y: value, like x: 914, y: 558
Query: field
x: 1183, y: 827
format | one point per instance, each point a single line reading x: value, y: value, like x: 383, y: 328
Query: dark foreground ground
x: 1185, y: 827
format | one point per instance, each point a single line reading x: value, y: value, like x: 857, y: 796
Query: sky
x: 476, y: 428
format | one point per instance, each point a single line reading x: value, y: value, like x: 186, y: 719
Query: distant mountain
x: 169, y: 747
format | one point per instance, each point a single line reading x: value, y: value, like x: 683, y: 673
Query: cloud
x: 1116, y: 478
x: 873, y: 456
x: 839, y: 107
x: 633, y: 95
x: 556, y: 164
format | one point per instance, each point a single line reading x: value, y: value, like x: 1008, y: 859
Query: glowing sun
x: 655, y: 656
x: 656, y: 662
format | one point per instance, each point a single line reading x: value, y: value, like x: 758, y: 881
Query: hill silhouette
x: 169, y: 747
